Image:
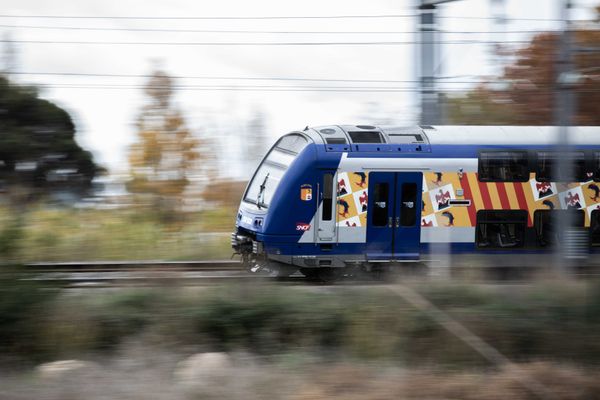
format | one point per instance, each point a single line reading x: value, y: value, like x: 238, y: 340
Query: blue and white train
x: 330, y: 198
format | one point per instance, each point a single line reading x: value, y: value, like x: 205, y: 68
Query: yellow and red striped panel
x: 493, y: 195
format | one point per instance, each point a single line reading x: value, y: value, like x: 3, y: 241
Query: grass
x: 48, y: 234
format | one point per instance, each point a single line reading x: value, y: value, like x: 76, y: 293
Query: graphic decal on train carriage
x: 352, y: 198
x: 439, y: 188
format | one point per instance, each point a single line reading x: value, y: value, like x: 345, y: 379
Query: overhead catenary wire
x: 248, y: 31
x: 444, y: 80
x: 272, y: 88
x: 253, y: 78
x: 204, y: 17
x: 362, y: 43
x: 261, y: 17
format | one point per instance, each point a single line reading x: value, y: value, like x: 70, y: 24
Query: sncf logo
x: 301, y: 226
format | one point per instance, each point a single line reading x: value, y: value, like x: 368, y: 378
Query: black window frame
x: 378, y: 220
x: 327, y: 204
x: 540, y: 177
x: 487, y: 178
x: 538, y: 217
x: 594, y: 224
x: 268, y: 163
x: 408, y: 213
x: 595, y: 165
x: 493, y: 217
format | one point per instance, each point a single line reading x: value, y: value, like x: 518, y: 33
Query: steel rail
x: 127, y: 266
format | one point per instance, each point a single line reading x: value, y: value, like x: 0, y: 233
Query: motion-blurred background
x: 128, y: 131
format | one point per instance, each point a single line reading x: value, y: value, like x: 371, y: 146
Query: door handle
x: 397, y: 222
x: 390, y: 222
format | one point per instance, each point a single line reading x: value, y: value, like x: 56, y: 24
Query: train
x: 331, y: 199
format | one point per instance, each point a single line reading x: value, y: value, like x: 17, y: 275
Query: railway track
x: 121, y: 266
x: 99, y: 274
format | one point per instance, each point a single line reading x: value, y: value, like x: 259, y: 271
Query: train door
x: 407, y: 225
x: 380, y: 215
x: 326, y: 218
x: 393, y: 228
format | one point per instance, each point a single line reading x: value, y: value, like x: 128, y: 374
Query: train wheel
x: 310, y: 273
x: 283, y: 271
x: 329, y: 275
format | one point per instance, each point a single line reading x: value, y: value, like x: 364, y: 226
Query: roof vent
x: 365, y: 127
x: 327, y: 131
x: 335, y: 141
x: 427, y: 127
x: 366, y: 137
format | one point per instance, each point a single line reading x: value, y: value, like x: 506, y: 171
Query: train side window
x: 595, y: 228
x: 547, y: 167
x: 497, y: 229
x: 596, y: 166
x: 503, y: 166
x: 546, y: 224
x: 326, y: 214
x: 380, y: 204
x: 408, y: 207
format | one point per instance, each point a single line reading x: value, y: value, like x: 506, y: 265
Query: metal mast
x: 431, y: 113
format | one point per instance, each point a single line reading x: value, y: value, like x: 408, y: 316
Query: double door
x: 394, y: 209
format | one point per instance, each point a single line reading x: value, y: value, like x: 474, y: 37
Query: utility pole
x: 565, y: 99
x: 574, y: 244
x: 431, y: 113
x: 498, y: 10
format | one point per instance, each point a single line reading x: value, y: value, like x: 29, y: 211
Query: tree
x: 166, y: 154
x: 530, y: 95
x: 38, y: 152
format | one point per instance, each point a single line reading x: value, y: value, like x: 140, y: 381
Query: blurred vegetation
x: 23, y: 304
x: 169, y: 213
x: 68, y: 234
x: 167, y: 158
x: 226, y: 193
x: 529, y: 93
x: 38, y: 152
x: 525, y: 324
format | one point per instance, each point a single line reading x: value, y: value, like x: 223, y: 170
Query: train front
x: 274, y: 211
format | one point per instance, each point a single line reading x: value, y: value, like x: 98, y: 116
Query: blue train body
x: 339, y: 196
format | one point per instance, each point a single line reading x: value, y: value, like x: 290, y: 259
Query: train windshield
x: 266, y: 179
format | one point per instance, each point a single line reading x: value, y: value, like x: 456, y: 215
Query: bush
x: 368, y: 325
x: 23, y: 304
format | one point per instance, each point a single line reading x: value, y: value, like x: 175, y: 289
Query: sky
x: 105, y: 114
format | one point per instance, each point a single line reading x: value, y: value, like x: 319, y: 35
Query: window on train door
x: 595, y: 228
x: 501, y: 229
x: 503, y: 166
x: 380, y: 204
x: 408, y: 207
x: 327, y: 197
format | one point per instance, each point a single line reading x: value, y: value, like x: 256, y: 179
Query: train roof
x: 451, y: 135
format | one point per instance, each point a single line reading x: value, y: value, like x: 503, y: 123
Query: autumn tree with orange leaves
x: 530, y: 94
x: 166, y: 153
